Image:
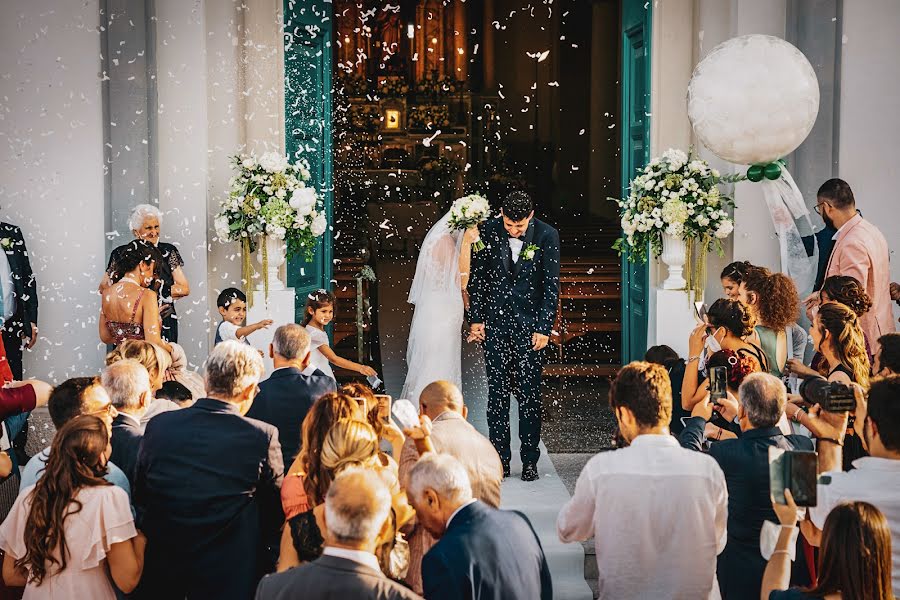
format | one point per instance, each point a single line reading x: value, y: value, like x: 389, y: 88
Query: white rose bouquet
x: 469, y: 211
x: 269, y: 196
x: 676, y: 194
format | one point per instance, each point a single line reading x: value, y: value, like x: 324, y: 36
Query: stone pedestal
x: 674, y: 319
x: 280, y: 308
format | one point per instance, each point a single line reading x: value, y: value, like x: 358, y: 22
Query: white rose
x: 273, y: 162
x: 725, y: 229
x: 248, y: 163
x: 280, y: 193
x: 649, y: 185
x: 221, y: 225
x: 303, y: 200
x: 318, y: 225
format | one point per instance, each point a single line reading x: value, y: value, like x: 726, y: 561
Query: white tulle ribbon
x: 789, y: 215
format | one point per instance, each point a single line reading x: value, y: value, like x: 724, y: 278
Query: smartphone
x: 405, y: 414
x: 795, y: 470
x: 384, y: 407
x: 700, y: 312
x: 718, y: 383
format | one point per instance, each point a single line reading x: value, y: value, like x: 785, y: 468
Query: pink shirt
x: 861, y: 251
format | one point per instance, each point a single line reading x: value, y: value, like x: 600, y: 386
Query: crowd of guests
x: 161, y: 484
x: 685, y: 509
x: 282, y: 487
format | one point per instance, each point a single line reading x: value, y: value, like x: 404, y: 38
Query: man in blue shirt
x: 70, y: 399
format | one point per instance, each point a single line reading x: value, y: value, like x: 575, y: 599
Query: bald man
x: 451, y: 434
x: 356, y: 510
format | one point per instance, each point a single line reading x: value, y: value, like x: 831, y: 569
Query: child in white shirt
x: 319, y: 313
x: 232, y: 305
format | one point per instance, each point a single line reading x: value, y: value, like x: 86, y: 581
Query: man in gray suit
x: 452, y: 434
x: 356, y: 511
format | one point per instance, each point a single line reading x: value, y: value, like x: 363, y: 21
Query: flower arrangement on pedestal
x: 674, y: 208
x: 428, y: 116
x: 393, y: 87
x: 271, y: 207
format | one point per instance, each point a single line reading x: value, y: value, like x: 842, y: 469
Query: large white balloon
x: 753, y: 99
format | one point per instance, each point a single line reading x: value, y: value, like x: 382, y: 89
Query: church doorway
x: 435, y: 99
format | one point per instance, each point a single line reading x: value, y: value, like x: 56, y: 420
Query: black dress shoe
x: 530, y: 472
x: 505, y: 469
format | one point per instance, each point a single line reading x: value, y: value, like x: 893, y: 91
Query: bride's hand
x: 471, y: 235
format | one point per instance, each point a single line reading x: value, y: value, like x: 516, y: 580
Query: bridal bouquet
x: 469, y: 211
x: 270, y: 197
x: 676, y: 195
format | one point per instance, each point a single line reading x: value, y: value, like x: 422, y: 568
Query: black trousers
x: 12, y: 343
x: 513, y: 368
x: 170, y: 328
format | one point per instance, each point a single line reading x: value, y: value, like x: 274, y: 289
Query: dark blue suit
x: 24, y: 294
x: 283, y: 401
x: 126, y: 441
x: 487, y: 554
x: 514, y: 301
x: 207, y: 494
x: 745, y: 462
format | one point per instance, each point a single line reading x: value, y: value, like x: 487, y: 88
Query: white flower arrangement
x: 469, y: 211
x: 269, y: 196
x: 676, y: 194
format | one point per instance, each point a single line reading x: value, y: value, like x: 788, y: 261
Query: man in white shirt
x: 875, y: 478
x: 356, y: 512
x: 658, y: 512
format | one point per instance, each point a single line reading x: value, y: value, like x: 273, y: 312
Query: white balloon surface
x: 753, y: 99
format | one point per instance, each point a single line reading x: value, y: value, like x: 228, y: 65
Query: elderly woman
x: 171, y: 282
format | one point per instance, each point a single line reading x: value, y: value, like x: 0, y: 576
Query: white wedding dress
x: 434, y: 350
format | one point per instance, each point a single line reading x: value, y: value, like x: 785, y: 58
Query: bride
x: 434, y: 351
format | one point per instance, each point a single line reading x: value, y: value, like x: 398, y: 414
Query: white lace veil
x: 437, y: 269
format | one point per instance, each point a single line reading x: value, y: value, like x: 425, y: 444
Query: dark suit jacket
x: 207, y: 494
x: 126, y: 441
x: 332, y: 578
x: 283, y: 401
x: 520, y: 297
x: 488, y: 554
x: 23, y: 282
x: 745, y: 462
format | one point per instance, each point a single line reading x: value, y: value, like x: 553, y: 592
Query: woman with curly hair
x: 837, y: 335
x: 774, y: 301
x: 729, y: 324
x: 71, y: 535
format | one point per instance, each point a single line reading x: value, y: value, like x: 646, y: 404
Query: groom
x: 512, y: 306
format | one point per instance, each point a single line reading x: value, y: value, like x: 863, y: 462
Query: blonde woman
x: 349, y: 443
x: 156, y: 361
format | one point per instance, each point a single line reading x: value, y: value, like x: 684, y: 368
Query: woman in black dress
x: 171, y: 282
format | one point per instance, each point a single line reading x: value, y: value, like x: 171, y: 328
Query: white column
x: 263, y: 70
x: 52, y: 164
x: 754, y: 234
x: 671, y: 64
x: 181, y: 59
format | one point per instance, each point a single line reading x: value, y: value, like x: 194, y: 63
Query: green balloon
x: 772, y: 171
x: 755, y: 173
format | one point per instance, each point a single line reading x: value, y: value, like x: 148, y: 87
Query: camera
x: 832, y: 396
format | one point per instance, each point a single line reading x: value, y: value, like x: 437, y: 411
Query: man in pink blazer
x: 860, y: 251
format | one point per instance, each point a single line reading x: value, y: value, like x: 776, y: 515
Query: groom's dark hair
x: 517, y: 205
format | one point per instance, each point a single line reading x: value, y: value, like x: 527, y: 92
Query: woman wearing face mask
x: 729, y: 324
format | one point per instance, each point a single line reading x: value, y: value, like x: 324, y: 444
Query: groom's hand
x: 476, y: 332
x: 539, y: 341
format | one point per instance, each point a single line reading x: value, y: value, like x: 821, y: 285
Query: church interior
x: 435, y: 99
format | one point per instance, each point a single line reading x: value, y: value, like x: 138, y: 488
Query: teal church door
x: 636, y: 20
x: 307, y: 99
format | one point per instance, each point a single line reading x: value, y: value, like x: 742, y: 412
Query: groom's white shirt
x: 516, y: 246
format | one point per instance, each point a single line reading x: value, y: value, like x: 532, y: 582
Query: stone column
x: 487, y: 50
x: 262, y: 63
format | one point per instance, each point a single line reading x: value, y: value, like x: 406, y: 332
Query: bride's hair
x: 316, y: 300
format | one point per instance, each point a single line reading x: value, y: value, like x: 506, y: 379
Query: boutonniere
x: 7, y: 243
x: 528, y: 251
